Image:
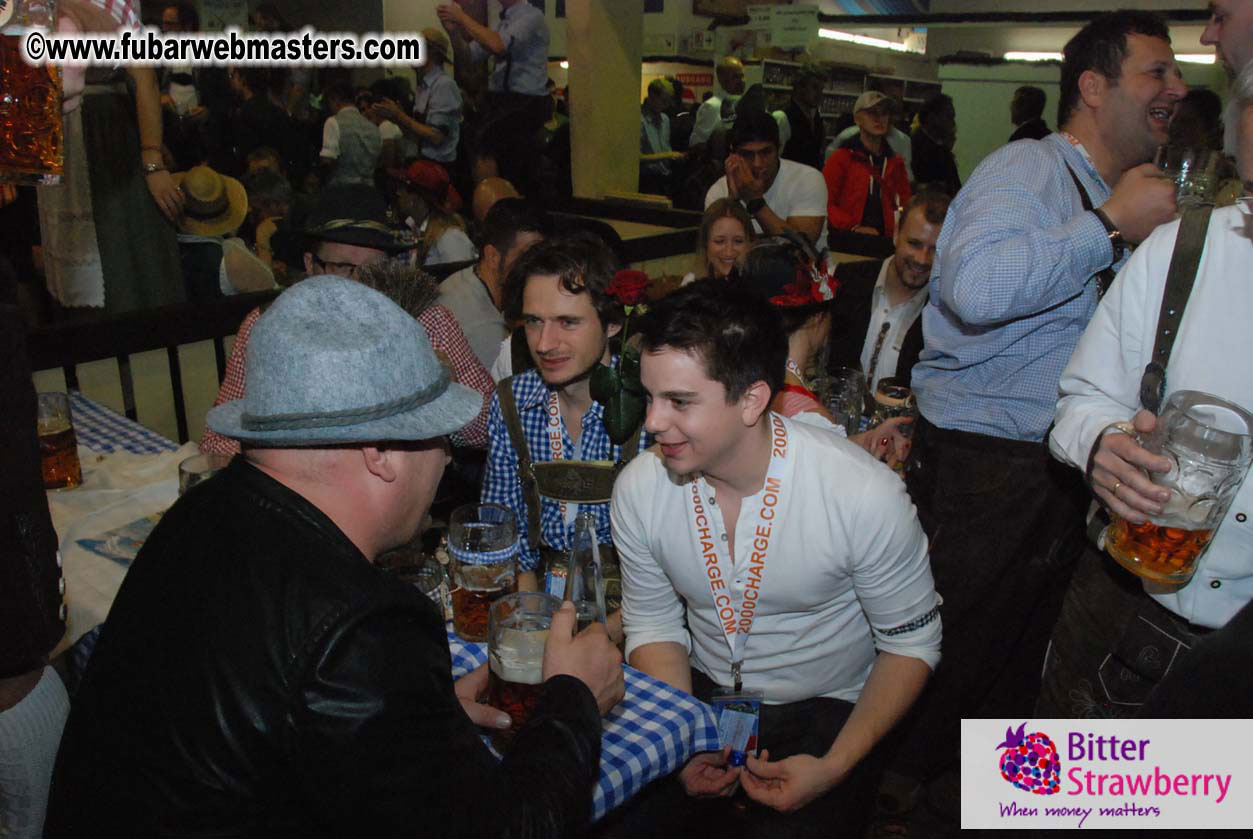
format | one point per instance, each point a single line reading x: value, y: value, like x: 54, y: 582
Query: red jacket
x: 848, y: 173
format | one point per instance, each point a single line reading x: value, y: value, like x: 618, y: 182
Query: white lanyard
x: 737, y: 619
x: 557, y: 448
x: 795, y: 370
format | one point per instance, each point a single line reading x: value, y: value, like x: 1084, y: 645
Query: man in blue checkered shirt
x: 1017, y: 274
x: 557, y: 289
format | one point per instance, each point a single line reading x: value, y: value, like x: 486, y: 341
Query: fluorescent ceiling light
x: 565, y: 65
x: 1033, y: 56
x: 1190, y: 58
x: 862, y: 40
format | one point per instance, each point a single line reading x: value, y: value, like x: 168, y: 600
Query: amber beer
x: 515, y: 674
x: 30, y: 116
x: 515, y: 654
x: 470, y: 610
x: 1156, y: 552
x: 58, y: 447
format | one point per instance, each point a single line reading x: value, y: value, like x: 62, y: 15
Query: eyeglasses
x: 343, y: 269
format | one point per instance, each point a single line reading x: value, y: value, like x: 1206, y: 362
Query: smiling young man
x: 1026, y: 249
x: 877, y: 318
x: 759, y: 550
x: 557, y: 289
x: 780, y: 195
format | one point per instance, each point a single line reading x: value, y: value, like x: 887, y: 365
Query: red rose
x: 629, y: 287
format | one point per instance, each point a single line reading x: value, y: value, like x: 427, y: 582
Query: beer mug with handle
x: 483, y: 548
x: 1209, y: 442
x: 515, y: 656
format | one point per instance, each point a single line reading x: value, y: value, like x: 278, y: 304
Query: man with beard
x: 1230, y: 31
x: 1029, y: 245
x: 558, y: 291
x: 877, y: 320
x: 780, y: 195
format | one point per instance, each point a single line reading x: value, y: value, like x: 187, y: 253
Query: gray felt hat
x: 334, y: 362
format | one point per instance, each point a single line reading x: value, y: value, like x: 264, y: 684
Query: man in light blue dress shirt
x: 1017, y: 276
x: 518, y: 100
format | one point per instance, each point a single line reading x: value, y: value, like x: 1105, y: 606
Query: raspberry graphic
x: 1030, y: 762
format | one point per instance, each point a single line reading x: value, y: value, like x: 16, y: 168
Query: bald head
x: 488, y: 192
x: 376, y: 494
x: 731, y: 75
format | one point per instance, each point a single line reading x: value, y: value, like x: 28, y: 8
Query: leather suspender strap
x: 1189, y: 244
x: 526, y: 475
x: 1104, y: 277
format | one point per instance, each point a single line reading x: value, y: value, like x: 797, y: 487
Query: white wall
x: 981, y: 97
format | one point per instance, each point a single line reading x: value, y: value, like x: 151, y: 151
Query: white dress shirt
x: 1212, y: 353
x: 899, y: 319
x: 798, y: 190
x: 847, y: 572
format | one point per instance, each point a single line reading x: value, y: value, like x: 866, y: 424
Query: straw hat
x: 214, y: 204
x: 437, y: 42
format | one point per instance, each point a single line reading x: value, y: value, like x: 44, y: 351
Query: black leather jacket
x: 257, y: 676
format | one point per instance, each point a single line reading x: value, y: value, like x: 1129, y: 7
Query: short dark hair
x: 1032, y: 99
x: 754, y: 126
x: 737, y: 336
x: 934, y: 204
x: 583, y: 263
x: 1101, y: 46
x: 507, y: 218
x: 339, y: 90
x: 936, y: 103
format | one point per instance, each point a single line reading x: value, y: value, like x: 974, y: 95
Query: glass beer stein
x: 30, y: 99
x: 483, y: 548
x: 515, y: 657
x: 1208, y: 442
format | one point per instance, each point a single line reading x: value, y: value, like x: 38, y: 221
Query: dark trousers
x: 1112, y: 645
x: 1005, y: 522
x: 514, y: 120
x: 806, y: 727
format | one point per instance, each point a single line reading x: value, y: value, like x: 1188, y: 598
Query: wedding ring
x: 1117, y: 484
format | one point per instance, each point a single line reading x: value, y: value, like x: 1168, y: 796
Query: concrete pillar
x: 605, y: 40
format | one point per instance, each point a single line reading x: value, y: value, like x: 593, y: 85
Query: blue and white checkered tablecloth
x: 651, y: 733
x: 104, y: 431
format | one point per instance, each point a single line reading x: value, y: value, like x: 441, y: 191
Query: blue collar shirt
x: 500, y: 479
x: 525, y: 32
x: 1012, y: 288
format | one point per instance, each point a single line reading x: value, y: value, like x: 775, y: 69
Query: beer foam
x: 518, y: 656
x: 52, y: 425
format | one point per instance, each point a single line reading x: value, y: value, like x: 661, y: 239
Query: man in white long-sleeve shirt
x: 760, y: 551
x: 1114, y: 640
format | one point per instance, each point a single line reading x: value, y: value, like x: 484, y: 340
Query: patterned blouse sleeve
x: 447, y: 337
x: 232, y: 387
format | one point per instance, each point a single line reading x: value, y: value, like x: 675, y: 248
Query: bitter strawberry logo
x: 1030, y: 762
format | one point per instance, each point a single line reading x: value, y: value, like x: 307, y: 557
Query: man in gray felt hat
x: 258, y: 675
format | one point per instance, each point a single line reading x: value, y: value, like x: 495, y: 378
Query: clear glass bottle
x: 585, y: 579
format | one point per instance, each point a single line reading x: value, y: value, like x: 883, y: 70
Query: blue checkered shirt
x: 1012, y: 289
x: 500, y: 481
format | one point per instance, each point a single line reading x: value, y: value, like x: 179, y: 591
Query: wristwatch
x: 149, y: 168
x: 1115, y: 235
x: 755, y: 206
